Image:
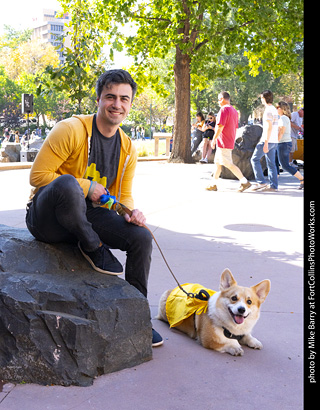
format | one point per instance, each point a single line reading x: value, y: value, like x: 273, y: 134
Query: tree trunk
x: 244, y: 115
x: 44, y: 120
x: 181, y: 150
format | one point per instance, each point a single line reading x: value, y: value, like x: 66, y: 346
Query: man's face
x: 263, y: 100
x: 301, y: 113
x: 114, y: 103
x: 220, y: 100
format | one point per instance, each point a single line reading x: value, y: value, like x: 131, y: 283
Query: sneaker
x: 212, y: 188
x: 204, y: 160
x: 245, y: 186
x: 102, y: 260
x: 301, y: 184
x: 257, y: 187
x: 156, y: 339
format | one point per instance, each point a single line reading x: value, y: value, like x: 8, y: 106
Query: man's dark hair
x: 268, y: 96
x: 225, y: 95
x: 116, y: 76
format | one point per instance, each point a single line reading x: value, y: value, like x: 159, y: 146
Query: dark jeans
x: 271, y: 164
x: 59, y: 212
x: 196, y: 136
x: 284, y: 149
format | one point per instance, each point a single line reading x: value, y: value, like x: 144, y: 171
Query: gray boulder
x: 246, y: 141
x: 61, y: 322
x: 10, y: 152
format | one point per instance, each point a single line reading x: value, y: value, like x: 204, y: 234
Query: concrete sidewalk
x: 256, y: 235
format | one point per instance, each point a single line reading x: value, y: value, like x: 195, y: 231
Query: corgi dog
x: 228, y: 319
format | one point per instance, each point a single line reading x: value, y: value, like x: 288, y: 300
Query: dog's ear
x: 227, y: 280
x: 262, y: 289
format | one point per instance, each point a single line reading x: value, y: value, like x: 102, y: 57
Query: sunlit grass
x: 146, y: 148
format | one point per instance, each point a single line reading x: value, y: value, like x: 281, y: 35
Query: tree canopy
x: 176, y: 44
x: 200, y: 32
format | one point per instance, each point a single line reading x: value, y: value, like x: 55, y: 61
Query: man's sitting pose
x: 82, y: 158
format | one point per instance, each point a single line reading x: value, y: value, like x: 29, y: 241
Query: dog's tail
x: 162, y: 306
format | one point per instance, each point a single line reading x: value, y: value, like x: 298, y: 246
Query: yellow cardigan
x: 65, y: 151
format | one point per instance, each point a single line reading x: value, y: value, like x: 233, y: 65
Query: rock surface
x: 10, y: 152
x: 246, y: 141
x: 61, y: 322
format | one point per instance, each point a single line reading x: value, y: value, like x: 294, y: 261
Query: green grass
x: 146, y: 148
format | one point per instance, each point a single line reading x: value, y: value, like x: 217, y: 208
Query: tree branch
x: 198, y: 46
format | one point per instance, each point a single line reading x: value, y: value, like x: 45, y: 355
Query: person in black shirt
x: 208, y: 133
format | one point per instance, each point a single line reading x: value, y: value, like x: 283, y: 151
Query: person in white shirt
x: 296, y: 127
x: 267, y: 146
x: 285, y: 143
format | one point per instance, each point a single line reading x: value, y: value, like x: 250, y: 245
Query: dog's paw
x: 234, y: 351
x: 252, y: 342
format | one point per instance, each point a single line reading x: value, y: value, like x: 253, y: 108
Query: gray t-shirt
x: 295, y: 119
x: 104, y: 157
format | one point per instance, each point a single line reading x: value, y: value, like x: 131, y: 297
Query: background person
x: 208, y: 133
x: 267, y: 146
x: 224, y: 138
x: 197, y: 133
x: 296, y: 127
x: 285, y: 142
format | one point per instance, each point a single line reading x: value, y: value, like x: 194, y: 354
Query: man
x: 82, y: 158
x: 267, y: 146
x: 296, y: 127
x: 224, y: 138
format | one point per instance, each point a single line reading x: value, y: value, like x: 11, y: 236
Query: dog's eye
x: 234, y: 298
x: 249, y: 302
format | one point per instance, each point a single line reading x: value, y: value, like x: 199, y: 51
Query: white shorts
x: 223, y: 156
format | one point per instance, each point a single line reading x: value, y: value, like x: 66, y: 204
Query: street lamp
x: 27, y: 108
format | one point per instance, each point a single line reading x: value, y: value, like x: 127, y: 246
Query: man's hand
x: 213, y: 143
x: 136, y: 218
x: 98, y: 191
x: 266, y: 147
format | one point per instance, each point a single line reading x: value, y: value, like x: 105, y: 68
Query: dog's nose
x: 241, y: 310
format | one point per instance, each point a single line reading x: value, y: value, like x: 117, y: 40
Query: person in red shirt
x: 223, y: 140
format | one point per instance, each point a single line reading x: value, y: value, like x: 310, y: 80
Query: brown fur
x: 235, y: 307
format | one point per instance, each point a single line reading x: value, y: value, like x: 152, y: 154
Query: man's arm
x: 296, y: 127
x: 269, y: 129
x: 56, y: 154
x: 219, y: 129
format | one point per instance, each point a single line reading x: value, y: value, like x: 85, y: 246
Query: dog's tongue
x: 238, y: 319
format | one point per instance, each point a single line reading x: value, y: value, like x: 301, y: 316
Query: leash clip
x: 202, y: 295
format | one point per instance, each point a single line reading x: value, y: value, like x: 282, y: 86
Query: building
x: 50, y: 28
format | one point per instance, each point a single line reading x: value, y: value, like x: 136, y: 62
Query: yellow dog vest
x: 179, y: 306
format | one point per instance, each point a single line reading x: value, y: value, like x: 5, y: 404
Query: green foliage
x: 12, y: 38
x: 83, y: 63
x: 267, y: 30
x: 10, y: 111
x: 23, y: 60
x: 200, y: 32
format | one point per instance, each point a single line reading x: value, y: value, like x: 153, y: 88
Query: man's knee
x: 66, y: 182
x: 142, y: 238
x: 67, y: 188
